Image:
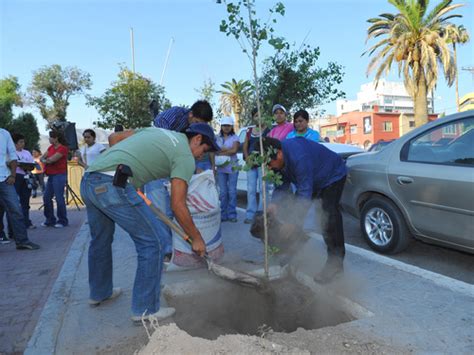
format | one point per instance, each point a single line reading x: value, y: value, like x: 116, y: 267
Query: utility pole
x: 132, y: 47
x: 166, y: 61
x: 470, y: 69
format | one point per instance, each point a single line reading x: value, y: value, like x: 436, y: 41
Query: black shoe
x: 167, y: 257
x: 27, y: 246
x: 4, y: 239
x: 330, y: 272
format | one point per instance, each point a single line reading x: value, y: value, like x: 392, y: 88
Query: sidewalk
x: 26, y: 277
x: 405, y: 307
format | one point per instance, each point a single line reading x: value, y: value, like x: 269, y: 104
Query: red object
x: 60, y: 167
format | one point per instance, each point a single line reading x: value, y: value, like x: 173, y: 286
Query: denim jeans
x: 11, y: 204
x: 55, y: 187
x: 254, y: 185
x: 157, y: 192
x: 24, y: 193
x: 106, y: 205
x: 228, y: 194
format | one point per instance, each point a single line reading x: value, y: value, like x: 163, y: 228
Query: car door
x: 435, y: 183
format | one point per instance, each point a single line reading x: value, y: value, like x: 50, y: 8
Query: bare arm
x: 212, y: 159
x: 245, y: 148
x: 54, y: 158
x: 116, y: 137
x: 12, y: 165
x: 230, y: 151
x: 179, y: 190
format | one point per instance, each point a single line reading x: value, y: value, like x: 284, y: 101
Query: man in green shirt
x: 151, y: 153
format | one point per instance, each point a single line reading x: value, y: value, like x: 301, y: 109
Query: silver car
x: 420, y: 185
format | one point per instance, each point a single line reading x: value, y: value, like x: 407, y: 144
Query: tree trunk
x: 457, y: 77
x: 237, y: 121
x: 421, y: 103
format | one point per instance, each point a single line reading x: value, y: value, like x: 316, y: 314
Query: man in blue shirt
x: 317, y: 172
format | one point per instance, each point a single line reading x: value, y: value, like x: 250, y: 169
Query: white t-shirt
x: 89, y: 154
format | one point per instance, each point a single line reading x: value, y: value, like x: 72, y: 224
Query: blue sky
x: 95, y: 36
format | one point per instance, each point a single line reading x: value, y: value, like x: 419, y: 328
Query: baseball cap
x: 205, y: 130
x: 278, y: 107
x: 227, y: 120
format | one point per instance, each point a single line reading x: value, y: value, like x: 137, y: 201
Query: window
x: 353, y: 129
x: 367, y: 125
x: 388, y: 100
x: 387, y: 126
x: 449, y: 144
x: 412, y: 124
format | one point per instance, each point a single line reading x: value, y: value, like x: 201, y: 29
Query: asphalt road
x: 448, y: 262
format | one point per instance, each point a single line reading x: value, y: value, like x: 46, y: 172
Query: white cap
x: 278, y: 107
x: 227, y: 120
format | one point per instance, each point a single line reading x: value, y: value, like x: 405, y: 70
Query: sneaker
x: 233, y: 220
x: 248, y: 221
x: 59, y: 225
x: 4, y: 239
x: 330, y: 272
x: 163, y: 313
x: 27, y: 246
x: 117, y: 291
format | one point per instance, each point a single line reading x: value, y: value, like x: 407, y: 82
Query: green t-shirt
x: 152, y: 153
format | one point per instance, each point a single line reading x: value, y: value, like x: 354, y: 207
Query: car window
x: 448, y: 144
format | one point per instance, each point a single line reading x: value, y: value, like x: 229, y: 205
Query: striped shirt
x: 173, y: 119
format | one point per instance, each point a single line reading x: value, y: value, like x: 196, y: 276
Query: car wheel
x: 383, y: 226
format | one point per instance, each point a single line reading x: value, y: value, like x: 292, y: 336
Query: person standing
x: 254, y: 175
x: 300, y: 122
x: 23, y: 180
x: 55, y: 161
x: 8, y: 196
x: 316, y: 172
x: 38, y: 172
x: 168, y: 154
x: 90, y: 150
x: 227, y: 176
x: 281, y: 130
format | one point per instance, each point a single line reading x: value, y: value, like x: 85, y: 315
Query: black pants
x: 331, y: 219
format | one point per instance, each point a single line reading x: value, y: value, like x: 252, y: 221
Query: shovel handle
x: 165, y: 218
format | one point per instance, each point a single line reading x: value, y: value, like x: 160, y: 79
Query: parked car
x: 344, y: 150
x: 417, y: 187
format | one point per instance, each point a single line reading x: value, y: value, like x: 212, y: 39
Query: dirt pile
x: 170, y: 339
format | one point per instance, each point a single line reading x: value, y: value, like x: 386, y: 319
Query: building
x: 466, y: 102
x: 388, y: 97
x: 368, y: 127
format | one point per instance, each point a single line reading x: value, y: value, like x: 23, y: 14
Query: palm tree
x: 233, y: 97
x: 413, y: 38
x: 456, y: 34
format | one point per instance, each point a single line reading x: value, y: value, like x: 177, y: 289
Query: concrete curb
x: 44, y: 338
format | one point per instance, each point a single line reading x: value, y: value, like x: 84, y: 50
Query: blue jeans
x: 24, y: 193
x: 11, y: 204
x: 157, y: 192
x: 228, y: 194
x: 254, y: 185
x: 55, y: 187
x: 106, y: 205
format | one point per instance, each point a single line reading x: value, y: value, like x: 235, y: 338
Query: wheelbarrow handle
x: 165, y: 218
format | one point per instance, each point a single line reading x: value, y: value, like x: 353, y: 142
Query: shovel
x: 241, y: 278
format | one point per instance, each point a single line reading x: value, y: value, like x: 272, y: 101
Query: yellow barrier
x: 74, y: 176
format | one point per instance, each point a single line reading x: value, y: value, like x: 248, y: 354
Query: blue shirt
x: 310, y: 134
x: 173, y: 119
x: 310, y: 166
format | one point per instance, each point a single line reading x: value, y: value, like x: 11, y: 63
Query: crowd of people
x: 180, y: 144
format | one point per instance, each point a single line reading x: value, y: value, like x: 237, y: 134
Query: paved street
x: 26, y: 277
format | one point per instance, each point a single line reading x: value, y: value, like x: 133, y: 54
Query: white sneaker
x: 163, y: 313
x: 117, y: 291
x: 59, y: 225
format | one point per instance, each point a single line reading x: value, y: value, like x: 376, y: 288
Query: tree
x: 127, y: 101
x: 51, y: 88
x: 26, y: 124
x: 293, y: 79
x: 454, y: 35
x: 9, y: 96
x: 413, y: 38
x: 234, y: 96
x: 251, y: 33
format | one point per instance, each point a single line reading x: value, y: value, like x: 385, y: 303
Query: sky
x: 95, y: 37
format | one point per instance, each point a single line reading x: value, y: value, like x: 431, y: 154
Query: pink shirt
x: 23, y: 156
x: 281, y: 131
